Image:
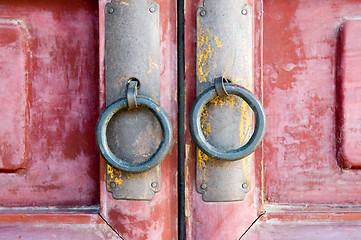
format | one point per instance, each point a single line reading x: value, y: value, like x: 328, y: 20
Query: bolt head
x: 244, y: 11
x: 154, y: 185
x: 112, y: 184
x: 203, y: 13
x: 244, y: 185
x: 152, y: 9
x: 110, y: 10
x: 203, y: 186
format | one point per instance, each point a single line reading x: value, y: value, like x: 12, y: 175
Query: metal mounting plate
x: 132, y: 41
x: 224, y: 48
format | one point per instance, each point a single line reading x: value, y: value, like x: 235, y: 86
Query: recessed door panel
x: 302, y: 101
x: 49, y: 76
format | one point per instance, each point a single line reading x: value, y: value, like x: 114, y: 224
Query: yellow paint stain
x: 206, y: 129
x: 245, y: 127
x: 114, y: 176
x: 218, y: 42
x: 202, y: 159
x: 204, y: 53
x: 110, y: 171
x: 229, y: 102
x: 206, y: 126
x: 152, y: 65
x: 118, y: 181
x: 123, y: 2
x: 245, y: 163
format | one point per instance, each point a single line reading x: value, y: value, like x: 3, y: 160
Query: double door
x: 63, y: 63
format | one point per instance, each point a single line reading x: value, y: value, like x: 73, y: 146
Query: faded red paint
x: 54, y: 226
x: 14, y: 111
x: 349, y: 96
x: 155, y: 219
x: 305, y: 193
x: 50, y: 79
x: 300, y: 163
x: 300, y: 230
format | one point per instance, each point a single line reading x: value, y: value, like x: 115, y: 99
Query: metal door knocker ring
x: 223, y: 88
x: 134, y: 101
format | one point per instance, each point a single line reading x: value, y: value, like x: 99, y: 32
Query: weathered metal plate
x: 224, y: 48
x: 132, y: 51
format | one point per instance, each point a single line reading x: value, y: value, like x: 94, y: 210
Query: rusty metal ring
x: 235, y: 154
x: 159, y: 154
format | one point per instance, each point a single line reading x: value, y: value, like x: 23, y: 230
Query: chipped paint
x: 114, y: 176
x: 125, y: 3
x: 206, y: 127
x: 152, y: 64
x: 204, y: 53
x: 218, y: 42
x: 229, y: 117
x: 202, y: 159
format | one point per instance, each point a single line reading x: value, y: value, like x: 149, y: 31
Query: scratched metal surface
x: 224, y: 48
x: 132, y: 50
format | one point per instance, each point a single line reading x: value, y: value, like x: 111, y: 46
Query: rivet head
x: 244, y: 11
x: 152, y: 9
x: 244, y: 185
x: 203, y: 186
x: 112, y: 184
x: 110, y: 10
x: 154, y: 185
x: 203, y: 13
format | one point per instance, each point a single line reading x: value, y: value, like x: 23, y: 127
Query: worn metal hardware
x: 250, y: 99
x: 116, y: 107
x: 133, y: 85
x: 224, y: 48
x: 219, y: 86
x: 132, y: 50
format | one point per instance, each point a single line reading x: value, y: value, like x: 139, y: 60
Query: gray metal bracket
x: 132, y: 50
x: 224, y: 48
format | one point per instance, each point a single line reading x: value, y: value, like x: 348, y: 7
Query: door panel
x: 308, y: 190
x: 50, y: 103
x: 48, y: 226
x: 157, y: 218
x: 216, y: 220
x: 50, y: 188
x: 302, y: 103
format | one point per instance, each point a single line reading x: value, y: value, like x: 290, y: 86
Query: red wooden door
x: 302, y: 180
x: 51, y: 175
x: 309, y: 172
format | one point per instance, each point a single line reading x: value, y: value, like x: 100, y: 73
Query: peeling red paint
x: 56, y: 104
x: 300, y: 164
